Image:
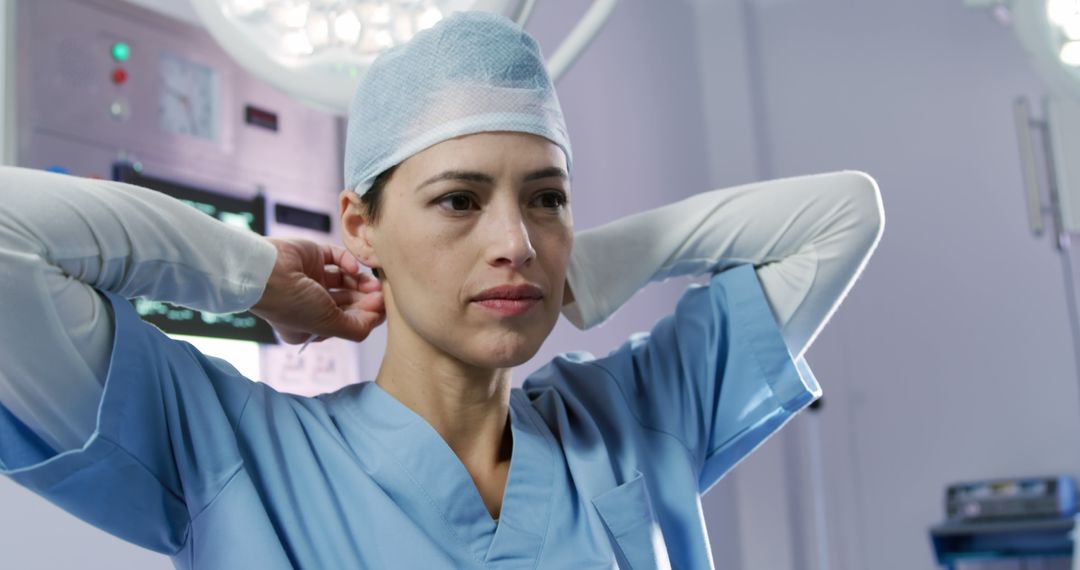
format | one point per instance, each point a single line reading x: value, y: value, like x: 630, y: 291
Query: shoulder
x: 576, y: 389
x: 143, y: 355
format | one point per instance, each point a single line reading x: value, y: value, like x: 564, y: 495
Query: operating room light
x: 347, y: 27
x: 316, y: 50
x: 335, y: 31
x: 380, y: 14
x: 289, y: 16
x: 428, y: 18
x: 1060, y: 12
x: 1072, y: 29
x: 1070, y: 54
x: 322, y: 44
x: 1063, y: 17
x: 318, y: 30
x: 246, y: 7
x: 296, y: 43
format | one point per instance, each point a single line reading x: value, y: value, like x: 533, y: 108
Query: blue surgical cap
x: 472, y: 72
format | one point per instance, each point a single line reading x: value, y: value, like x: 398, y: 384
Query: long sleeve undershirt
x: 62, y: 236
x: 808, y: 237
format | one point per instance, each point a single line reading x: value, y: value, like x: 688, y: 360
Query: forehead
x: 494, y: 153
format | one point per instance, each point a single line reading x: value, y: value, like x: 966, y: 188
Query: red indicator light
x: 119, y: 76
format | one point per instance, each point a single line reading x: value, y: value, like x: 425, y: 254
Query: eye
x: 552, y: 200
x: 457, y: 202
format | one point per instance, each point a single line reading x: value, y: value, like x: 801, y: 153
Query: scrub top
x: 610, y: 455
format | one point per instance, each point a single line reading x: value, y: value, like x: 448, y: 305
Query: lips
x: 511, y: 292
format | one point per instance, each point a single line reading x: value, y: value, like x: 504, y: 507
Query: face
x: 457, y: 219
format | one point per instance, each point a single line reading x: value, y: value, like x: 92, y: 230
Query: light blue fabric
x: 472, y: 72
x: 610, y: 455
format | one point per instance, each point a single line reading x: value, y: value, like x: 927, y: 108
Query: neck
x: 467, y: 405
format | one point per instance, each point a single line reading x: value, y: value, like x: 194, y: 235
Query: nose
x: 510, y: 243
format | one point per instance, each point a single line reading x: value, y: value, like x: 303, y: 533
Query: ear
x: 356, y: 231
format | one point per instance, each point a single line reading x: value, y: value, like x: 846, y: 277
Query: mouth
x: 509, y: 307
x: 510, y: 300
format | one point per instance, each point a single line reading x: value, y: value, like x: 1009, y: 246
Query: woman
x: 458, y: 189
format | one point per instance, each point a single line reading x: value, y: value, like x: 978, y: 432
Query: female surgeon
x: 458, y: 194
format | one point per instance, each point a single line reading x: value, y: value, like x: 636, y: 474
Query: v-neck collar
x: 436, y: 474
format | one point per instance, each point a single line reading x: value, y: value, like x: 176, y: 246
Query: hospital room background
x: 949, y: 433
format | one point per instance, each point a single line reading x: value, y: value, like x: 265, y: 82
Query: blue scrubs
x: 610, y: 455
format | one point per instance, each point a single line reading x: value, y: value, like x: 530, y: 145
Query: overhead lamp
x: 1049, y: 31
x: 316, y: 50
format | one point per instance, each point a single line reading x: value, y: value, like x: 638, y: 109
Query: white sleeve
x: 808, y: 237
x: 60, y: 238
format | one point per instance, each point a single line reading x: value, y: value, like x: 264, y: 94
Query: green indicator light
x: 121, y: 51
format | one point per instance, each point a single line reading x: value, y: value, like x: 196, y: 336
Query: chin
x: 505, y: 353
x: 508, y: 358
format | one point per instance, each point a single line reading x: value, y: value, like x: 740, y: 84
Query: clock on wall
x: 190, y: 97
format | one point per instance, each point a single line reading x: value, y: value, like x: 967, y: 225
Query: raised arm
x: 808, y: 238
x: 60, y: 238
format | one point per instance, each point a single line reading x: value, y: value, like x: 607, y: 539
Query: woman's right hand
x: 318, y: 289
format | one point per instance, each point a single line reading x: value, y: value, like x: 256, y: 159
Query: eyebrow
x: 472, y: 176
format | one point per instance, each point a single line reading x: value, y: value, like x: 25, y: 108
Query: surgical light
x: 1060, y: 12
x: 1070, y: 54
x: 1064, y: 20
x: 316, y: 50
x: 1049, y: 31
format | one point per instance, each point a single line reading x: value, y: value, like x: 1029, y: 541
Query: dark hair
x: 372, y: 200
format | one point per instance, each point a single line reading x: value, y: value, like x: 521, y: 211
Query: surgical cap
x: 472, y: 72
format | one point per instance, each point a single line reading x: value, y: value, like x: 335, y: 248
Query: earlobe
x: 355, y: 229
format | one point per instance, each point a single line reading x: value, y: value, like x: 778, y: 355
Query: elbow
x: 866, y: 209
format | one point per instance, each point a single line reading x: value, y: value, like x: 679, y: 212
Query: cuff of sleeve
x: 793, y: 384
x: 585, y: 312
x: 256, y: 273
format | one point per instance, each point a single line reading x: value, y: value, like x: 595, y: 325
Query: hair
x: 372, y: 200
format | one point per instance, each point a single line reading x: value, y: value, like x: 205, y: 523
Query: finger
x: 363, y: 282
x: 337, y: 255
x: 365, y: 321
x: 334, y: 277
x: 346, y: 299
x: 372, y: 302
x: 367, y: 283
x: 356, y: 323
x: 292, y: 337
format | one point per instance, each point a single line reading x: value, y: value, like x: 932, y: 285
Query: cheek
x: 554, y: 246
x: 429, y: 258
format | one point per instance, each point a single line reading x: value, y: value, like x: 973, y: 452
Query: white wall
x: 951, y: 359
